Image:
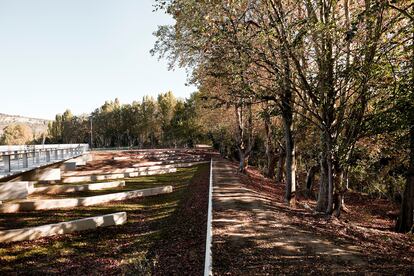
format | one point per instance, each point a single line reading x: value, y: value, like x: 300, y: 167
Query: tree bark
x: 310, y: 176
x: 270, y: 150
x: 290, y: 163
x: 322, y: 203
x: 280, y: 167
x: 287, y: 116
x: 329, y: 208
x: 405, y: 219
x: 271, y: 164
x: 242, y: 164
x: 339, y: 199
x: 244, y: 150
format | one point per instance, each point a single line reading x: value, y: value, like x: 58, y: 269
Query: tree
x: 166, y: 106
x: 403, y: 107
x: 17, y: 134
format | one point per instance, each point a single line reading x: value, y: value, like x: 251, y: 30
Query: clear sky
x: 58, y: 54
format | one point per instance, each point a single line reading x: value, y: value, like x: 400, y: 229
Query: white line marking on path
x: 208, y: 267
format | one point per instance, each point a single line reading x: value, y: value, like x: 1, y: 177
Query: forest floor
x: 255, y: 233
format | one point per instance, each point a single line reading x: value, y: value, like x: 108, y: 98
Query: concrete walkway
x: 253, y: 236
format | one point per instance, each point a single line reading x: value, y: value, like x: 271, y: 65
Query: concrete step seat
x: 112, y: 176
x: 139, y: 167
x: 36, y: 232
x: 64, y: 188
x: 49, y: 204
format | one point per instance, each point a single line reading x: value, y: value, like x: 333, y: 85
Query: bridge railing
x: 20, y: 157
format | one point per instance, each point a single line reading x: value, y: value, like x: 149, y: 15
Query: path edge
x: 208, y: 266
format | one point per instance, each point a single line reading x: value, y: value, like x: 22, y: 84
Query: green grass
x: 118, y: 249
x: 131, y: 184
x: 35, y: 218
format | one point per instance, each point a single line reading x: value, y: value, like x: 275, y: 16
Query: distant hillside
x: 38, y: 126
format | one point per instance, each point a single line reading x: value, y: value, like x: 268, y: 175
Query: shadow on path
x: 252, y: 235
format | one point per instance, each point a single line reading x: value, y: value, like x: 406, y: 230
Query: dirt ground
x: 164, y: 234
x: 254, y: 233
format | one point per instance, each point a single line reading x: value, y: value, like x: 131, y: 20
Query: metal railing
x: 21, y: 157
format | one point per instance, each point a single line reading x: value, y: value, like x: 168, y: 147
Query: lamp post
x: 91, y: 141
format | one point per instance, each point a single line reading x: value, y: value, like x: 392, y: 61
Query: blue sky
x: 58, y: 54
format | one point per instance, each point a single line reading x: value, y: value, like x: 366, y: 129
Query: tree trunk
x: 243, y: 160
x: 270, y: 151
x: 329, y: 208
x: 339, y: 194
x: 290, y: 162
x: 287, y: 105
x: 310, y: 176
x: 241, y: 146
x: 280, y: 167
x: 271, y: 164
x: 322, y: 203
x: 405, y: 219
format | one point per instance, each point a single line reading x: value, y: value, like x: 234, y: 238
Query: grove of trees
x: 164, y: 122
x: 323, y: 89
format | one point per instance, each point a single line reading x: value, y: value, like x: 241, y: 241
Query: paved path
x: 253, y: 236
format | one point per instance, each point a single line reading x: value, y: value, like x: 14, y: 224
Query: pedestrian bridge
x: 18, y: 159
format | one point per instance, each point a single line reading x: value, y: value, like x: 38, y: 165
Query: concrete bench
x: 48, y: 204
x: 15, y: 190
x: 120, y: 158
x: 87, y: 157
x: 148, y: 168
x: 71, y: 164
x: 178, y: 158
x: 103, y: 177
x: 167, y: 166
x: 165, y: 163
x: 139, y: 168
x: 31, y: 233
x: 55, y: 189
x: 46, y: 175
x: 81, y: 163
